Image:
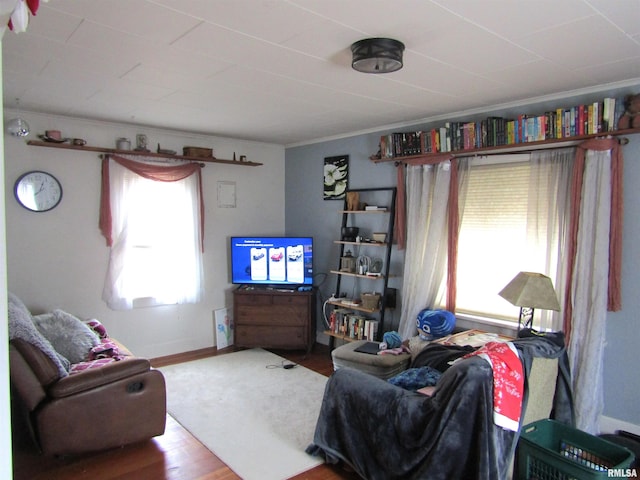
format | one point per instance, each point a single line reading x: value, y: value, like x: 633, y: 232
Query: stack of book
x: 345, y: 322
x: 585, y: 119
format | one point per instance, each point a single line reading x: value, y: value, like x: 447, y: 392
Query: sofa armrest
x: 40, y: 364
x: 95, y: 377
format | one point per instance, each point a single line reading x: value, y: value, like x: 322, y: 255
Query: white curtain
x: 427, y: 192
x: 548, y: 222
x: 156, y: 251
x: 589, y: 291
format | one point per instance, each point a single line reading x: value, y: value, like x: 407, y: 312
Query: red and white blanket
x: 105, y: 352
x: 508, y: 382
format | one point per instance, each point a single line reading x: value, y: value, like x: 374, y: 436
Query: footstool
x: 381, y: 366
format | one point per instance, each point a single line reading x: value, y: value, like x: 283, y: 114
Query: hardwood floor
x: 176, y: 455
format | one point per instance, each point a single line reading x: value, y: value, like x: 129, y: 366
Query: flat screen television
x: 278, y: 261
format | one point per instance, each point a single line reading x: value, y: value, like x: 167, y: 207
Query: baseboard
x: 183, y: 357
x: 611, y: 425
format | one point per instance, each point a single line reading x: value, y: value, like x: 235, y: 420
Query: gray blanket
x: 384, y: 432
x: 21, y: 326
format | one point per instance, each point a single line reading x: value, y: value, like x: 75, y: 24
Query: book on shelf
x: 370, y: 329
x: 345, y: 322
x: 493, y: 131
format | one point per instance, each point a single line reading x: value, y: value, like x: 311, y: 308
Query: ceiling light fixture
x: 377, y: 55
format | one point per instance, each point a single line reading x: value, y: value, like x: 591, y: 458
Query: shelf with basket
x: 362, y: 317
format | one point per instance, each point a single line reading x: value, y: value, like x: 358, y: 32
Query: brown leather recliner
x: 96, y: 409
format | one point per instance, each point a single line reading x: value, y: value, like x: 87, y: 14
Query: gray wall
x: 307, y: 213
x: 621, y: 377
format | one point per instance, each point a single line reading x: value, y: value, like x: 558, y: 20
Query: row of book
x: 586, y: 119
x: 344, y: 322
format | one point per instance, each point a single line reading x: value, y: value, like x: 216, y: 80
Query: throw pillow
x: 21, y: 326
x: 69, y: 335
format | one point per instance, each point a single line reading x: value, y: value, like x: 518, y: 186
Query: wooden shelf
x: 349, y: 274
x: 373, y: 244
x: 353, y: 307
x: 514, y: 147
x: 87, y: 148
x: 365, y: 211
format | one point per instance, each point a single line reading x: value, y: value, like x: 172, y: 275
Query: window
x: 504, y: 229
x: 156, y: 249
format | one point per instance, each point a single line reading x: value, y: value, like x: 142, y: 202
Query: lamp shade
x: 377, y: 55
x: 533, y: 290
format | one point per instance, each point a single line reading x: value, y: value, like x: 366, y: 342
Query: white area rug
x: 258, y: 420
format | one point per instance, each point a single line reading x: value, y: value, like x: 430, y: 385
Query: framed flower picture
x: 336, y: 177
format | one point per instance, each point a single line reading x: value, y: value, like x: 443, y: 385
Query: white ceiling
x: 279, y: 71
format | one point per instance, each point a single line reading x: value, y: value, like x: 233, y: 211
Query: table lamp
x: 529, y: 291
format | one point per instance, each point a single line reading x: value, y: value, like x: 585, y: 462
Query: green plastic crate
x: 549, y: 450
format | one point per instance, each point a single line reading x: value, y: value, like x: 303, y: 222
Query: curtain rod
x: 167, y: 161
x: 516, y: 148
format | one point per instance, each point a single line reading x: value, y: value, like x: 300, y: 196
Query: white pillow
x: 69, y: 335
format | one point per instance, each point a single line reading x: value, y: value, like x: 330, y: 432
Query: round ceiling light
x: 377, y: 55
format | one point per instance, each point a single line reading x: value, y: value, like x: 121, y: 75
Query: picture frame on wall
x: 336, y: 177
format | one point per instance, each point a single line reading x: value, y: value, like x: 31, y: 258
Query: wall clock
x: 38, y: 191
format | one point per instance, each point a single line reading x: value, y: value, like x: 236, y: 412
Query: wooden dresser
x: 273, y: 318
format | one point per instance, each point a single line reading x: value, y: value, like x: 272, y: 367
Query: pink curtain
x: 614, y: 297
x: 159, y: 173
x: 452, y: 239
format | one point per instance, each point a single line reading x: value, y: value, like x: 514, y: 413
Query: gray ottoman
x: 381, y: 366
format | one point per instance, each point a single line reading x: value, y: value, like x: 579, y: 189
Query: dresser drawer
x: 290, y: 300
x: 276, y: 315
x: 253, y: 299
x: 274, y: 336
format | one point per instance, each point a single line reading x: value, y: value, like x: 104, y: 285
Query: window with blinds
x: 493, y: 244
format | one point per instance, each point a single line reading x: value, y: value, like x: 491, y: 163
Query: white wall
x: 58, y: 259
x: 5, y: 410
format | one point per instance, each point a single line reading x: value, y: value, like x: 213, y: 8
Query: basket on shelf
x: 370, y: 300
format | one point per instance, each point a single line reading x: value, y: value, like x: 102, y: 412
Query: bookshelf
x: 515, y: 148
x: 494, y: 134
x: 354, y: 319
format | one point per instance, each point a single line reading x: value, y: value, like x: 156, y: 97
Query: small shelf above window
x: 114, y: 151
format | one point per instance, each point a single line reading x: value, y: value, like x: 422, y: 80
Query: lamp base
x: 525, y: 320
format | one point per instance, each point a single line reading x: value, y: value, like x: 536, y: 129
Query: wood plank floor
x: 176, y: 455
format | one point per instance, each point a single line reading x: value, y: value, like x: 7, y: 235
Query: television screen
x: 284, y: 261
